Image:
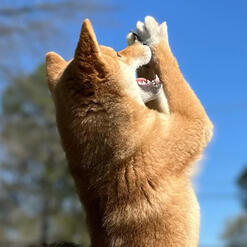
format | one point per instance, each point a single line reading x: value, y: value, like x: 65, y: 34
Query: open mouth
x: 152, y: 86
x: 149, y: 87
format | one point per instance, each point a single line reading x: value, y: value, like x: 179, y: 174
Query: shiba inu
x: 130, y: 152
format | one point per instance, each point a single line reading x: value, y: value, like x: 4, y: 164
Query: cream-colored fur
x: 130, y: 161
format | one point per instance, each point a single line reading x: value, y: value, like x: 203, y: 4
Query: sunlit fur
x: 130, y: 163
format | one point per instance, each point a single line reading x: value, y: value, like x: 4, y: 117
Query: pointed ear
x: 54, y: 65
x: 87, y: 45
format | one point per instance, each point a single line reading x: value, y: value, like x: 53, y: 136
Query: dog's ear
x: 55, y: 64
x: 87, y: 48
x: 88, y: 58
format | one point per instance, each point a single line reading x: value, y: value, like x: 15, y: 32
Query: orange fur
x: 130, y: 163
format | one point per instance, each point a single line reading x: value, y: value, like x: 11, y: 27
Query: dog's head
x: 83, y: 88
x: 96, y: 69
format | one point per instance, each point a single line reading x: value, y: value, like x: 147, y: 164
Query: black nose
x: 136, y: 36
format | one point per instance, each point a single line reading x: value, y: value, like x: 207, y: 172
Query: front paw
x: 151, y: 32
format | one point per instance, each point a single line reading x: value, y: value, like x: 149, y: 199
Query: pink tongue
x: 140, y: 79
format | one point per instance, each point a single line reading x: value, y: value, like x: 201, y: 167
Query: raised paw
x: 151, y: 32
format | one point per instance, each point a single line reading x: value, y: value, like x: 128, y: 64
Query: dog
x: 130, y: 154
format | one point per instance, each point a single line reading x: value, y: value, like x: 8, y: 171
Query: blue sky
x: 209, y: 39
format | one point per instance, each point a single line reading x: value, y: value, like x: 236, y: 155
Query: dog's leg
x: 190, y: 127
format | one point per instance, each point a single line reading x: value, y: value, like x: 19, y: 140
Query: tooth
x: 157, y: 79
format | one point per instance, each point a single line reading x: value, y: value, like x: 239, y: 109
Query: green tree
x: 235, y: 232
x: 242, y: 183
x: 38, y: 200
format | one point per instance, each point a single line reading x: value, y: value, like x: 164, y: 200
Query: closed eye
x: 118, y: 55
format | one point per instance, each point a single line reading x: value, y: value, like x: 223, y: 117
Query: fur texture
x: 130, y: 161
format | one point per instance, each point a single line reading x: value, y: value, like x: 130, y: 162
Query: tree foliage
x: 235, y: 232
x: 242, y: 183
x: 38, y: 199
